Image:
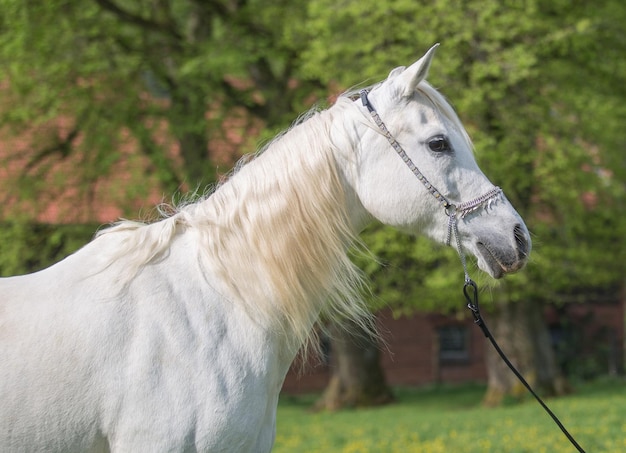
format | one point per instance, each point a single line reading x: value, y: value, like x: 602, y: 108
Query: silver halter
x: 470, y: 289
x: 454, y: 212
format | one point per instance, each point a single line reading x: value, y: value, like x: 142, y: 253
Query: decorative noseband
x: 452, y: 211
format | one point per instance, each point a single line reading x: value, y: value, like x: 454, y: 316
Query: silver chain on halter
x: 454, y: 212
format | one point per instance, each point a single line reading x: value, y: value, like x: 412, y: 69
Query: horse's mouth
x: 496, y: 265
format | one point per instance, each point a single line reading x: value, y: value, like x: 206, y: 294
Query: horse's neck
x: 277, y: 233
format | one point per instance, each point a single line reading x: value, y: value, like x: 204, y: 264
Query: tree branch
x: 63, y: 148
x: 134, y: 19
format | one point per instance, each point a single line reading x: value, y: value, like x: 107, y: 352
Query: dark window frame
x: 453, y: 343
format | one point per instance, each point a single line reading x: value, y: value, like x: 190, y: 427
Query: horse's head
x: 431, y: 173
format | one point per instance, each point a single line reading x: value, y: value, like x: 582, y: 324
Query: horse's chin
x: 492, y: 263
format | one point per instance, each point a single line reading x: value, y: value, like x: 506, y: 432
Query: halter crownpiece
x: 452, y: 211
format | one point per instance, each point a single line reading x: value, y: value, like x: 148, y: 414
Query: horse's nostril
x: 521, y: 240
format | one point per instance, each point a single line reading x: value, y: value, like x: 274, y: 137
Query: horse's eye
x: 439, y: 144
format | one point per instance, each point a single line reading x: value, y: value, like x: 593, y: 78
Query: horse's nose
x: 522, y: 240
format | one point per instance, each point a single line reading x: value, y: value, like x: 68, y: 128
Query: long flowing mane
x: 276, y: 232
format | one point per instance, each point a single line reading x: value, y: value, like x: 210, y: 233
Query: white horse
x: 177, y: 335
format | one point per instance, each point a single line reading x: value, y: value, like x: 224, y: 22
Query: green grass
x: 450, y: 419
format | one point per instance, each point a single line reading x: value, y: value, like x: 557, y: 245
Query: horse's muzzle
x: 501, y: 260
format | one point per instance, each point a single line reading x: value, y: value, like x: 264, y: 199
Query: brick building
x: 426, y: 348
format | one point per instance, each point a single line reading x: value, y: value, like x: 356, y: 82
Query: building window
x: 453, y: 343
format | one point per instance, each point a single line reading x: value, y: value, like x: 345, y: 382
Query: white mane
x: 278, y: 229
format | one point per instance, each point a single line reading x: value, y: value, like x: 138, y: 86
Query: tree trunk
x: 357, y: 378
x: 521, y: 331
x: 187, y: 123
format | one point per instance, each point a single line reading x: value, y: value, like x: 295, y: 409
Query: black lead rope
x: 470, y: 290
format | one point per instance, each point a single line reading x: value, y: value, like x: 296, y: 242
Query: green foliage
x: 407, y: 268
x: 117, y: 68
x: 28, y: 247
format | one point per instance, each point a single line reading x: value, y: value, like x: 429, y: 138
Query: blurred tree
x: 538, y: 85
x: 29, y: 247
x: 536, y: 82
x: 167, y: 73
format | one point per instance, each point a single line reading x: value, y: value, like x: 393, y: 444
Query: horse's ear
x: 409, y: 79
x: 396, y: 72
